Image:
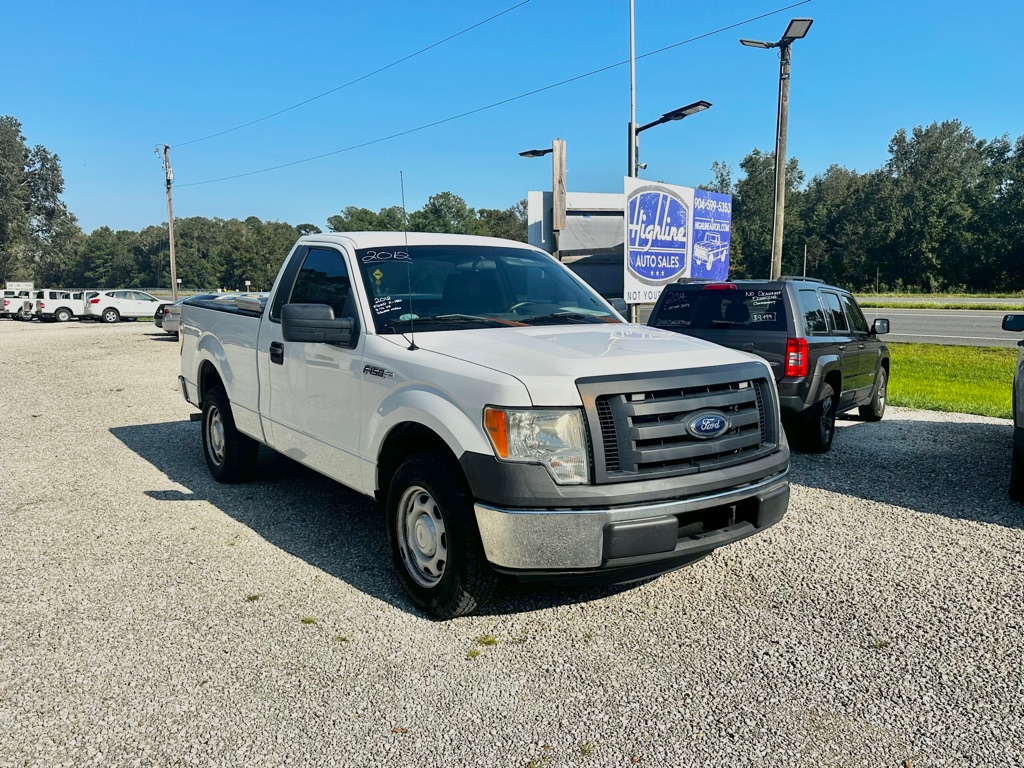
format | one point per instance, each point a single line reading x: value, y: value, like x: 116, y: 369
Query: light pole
x: 557, y: 152
x: 796, y: 30
x: 634, y: 131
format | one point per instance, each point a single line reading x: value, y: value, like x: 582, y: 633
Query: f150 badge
x: 707, y: 424
x: 373, y: 370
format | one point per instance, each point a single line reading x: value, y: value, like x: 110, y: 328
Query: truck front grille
x: 638, y: 426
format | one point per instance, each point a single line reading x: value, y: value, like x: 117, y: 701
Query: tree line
x: 944, y: 213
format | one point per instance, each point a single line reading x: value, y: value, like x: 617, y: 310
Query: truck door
x: 314, y: 388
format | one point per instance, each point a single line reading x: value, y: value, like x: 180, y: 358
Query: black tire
x: 819, y: 427
x: 1016, y: 474
x: 25, y: 315
x: 110, y: 315
x: 63, y: 315
x: 875, y: 410
x: 230, y: 455
x: 435, y: 543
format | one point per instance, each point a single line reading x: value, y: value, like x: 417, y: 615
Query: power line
x: 495, y: 104
x: 350, y: 82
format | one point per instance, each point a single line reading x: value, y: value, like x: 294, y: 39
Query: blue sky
x: 102, y: 83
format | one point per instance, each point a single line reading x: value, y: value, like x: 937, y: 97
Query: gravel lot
x: 152, y: 617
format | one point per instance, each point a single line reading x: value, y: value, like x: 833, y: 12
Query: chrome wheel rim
x: 215, y: 436
x: 422, y: 537
x: 881, y: 394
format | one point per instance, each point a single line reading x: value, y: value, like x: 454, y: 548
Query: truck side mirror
x: 881, y: 325
x: 1013, y: 323
x: 316, y: 323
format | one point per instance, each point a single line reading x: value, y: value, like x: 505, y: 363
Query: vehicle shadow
x: 934, y: 463
x: 327, y: 525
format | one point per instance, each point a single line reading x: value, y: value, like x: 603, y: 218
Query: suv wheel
x: 874, y: 410
x: 820, y: 425
x: 110, y: 315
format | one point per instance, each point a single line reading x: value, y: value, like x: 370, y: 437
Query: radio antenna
x: 408, y: 266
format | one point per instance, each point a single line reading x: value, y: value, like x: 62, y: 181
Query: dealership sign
x: 671, y: 233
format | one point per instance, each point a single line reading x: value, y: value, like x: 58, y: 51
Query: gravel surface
x: 151, y: 617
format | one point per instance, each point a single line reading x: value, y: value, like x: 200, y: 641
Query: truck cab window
x: 324, y: 279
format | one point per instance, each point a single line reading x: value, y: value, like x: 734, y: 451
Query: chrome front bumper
x: 581, y: 539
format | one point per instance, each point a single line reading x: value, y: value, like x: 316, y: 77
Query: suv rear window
x: 700, y: 309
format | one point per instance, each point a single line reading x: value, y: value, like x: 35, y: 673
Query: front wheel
x: 230, y: 455
x: 820, y: 425
x: 110, y: 315
x: 435, y: 543
x: 874, y: 410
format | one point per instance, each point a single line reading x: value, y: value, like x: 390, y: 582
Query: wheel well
x: 835, y: 378
x: 402, y: 442
x: 208, y: 379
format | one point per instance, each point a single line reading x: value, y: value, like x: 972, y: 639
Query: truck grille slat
x: 639, y: 425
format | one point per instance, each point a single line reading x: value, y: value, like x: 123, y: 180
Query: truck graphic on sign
x: 709, y: 250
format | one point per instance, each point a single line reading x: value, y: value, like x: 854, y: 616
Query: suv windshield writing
x: 745, y: 309
x: 446, y: 287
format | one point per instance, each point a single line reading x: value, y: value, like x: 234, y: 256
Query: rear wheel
x: 874, y: 410
x: 435, y: 543
x: 63, y: 315
x: 819, y: 426
x: 110, y: 315
x: 230, y: 455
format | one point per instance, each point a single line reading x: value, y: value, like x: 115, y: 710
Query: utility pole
x: 558, y: 193
x: 631, y: 158
x: 169, y: 176
x: 796, y: 30
x: 780, y: 159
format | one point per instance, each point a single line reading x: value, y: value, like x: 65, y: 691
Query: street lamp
x: 675, y: 114
x: 557, y: 152
x: 796, y: 30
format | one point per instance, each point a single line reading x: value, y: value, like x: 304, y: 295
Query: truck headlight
x: 552, y: 437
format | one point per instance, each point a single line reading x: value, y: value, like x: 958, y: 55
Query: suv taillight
x: 94, y: 301
x: 797, y: 363
x: 720, y: 287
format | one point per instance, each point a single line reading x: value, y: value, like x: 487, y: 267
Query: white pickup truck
x: 505, y: 416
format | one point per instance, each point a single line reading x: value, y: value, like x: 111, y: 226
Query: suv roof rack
x: 805, y: 279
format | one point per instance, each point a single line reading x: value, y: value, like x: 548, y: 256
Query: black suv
x: 825, y: 357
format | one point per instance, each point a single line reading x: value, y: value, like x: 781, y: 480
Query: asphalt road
x: 152, y: 617
x: 967, y: 327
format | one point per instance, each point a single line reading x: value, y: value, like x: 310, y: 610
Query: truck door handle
x: 277, y: 352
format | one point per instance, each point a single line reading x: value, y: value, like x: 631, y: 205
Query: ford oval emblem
x: 707, y: 424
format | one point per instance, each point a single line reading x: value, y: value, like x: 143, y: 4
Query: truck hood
x: 548, y: 360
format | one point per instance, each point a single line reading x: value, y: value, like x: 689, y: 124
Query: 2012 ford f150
x: 505, y: 416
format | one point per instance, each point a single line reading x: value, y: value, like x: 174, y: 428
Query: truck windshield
x: 444, y: 287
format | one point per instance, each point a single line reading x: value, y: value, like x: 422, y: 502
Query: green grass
x: 935, y: 377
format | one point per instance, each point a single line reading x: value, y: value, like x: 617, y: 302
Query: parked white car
x: 170, y: 316
x: 111, y: 306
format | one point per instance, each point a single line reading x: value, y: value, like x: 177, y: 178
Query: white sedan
x: 111, y: 306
